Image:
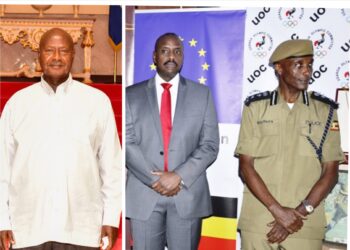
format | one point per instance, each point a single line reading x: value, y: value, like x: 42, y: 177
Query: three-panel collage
x: 174, y: 125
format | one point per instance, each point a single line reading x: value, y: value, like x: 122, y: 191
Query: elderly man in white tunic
x: 60, y: 159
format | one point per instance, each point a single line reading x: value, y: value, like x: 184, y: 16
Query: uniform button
x: 161, y: 152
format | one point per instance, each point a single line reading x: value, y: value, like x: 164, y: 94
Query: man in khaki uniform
x: 289, y: 152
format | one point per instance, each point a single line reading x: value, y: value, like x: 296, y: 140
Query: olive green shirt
x: 275, y: 136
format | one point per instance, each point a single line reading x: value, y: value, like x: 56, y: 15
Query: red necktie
x: 165, y: 119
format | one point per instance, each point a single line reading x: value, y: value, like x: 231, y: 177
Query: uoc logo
x: 342, y: 74
x: 260, y: 43
x: 346, y: 14
x: 290, y: 17
x: 323, y: 42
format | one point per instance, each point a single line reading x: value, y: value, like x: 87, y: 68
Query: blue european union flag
x: 213, y: 52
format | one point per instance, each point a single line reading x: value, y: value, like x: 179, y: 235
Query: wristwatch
x: 309, y: 208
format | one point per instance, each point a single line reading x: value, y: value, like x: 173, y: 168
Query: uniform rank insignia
x: 335, y: 126
x: 257, y: 97
x: 324, y: 99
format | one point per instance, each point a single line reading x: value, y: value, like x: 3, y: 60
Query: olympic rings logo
x: 260, y: 54
x: 321, y: 53
x: 290, y: 23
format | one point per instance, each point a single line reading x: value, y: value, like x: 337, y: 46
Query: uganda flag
x: 219, y: 231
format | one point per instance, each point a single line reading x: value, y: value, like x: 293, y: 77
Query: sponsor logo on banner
x: 346, y: 46
x: 260, y: 43
x: 342, y: 74
x: 346, y: 14
x: 323, y: 42
x: 290, y: 16
x: 318, y: 73
x: 261, y: 15
x: 317, y: 14
x: 257, y: 73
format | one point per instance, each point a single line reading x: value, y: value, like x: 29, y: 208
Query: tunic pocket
x: 267, y: 138
x: 304, y: 145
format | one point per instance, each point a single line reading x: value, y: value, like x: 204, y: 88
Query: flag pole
x: 115, y: 67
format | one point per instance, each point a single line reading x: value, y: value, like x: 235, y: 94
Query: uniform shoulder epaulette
x: 324, y: 99
x: 257, y: 97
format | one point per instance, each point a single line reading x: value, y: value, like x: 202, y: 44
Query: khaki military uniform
x: 276, y: 137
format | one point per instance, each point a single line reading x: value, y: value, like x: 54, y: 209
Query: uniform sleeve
x: 245, y: 144
x: 110, y: 160
x: 331, y: 149
x: 7, y: 151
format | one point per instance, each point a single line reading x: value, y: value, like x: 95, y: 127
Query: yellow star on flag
x: 205, y: 66
x: 181, y: 38
x: 193, y: 43
x: 202, y: 52
x: 202, y: 80
x: 153, y: 66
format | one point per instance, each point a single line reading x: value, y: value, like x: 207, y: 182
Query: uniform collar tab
x: 274, y: 98
x: 305, y: 98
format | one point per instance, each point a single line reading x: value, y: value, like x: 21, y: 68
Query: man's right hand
x: 277, y: 234
x: 289, y: 218
x: 168, y: 184
x: 6, y: 239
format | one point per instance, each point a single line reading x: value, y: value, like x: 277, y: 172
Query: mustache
x: 170, y: 61
x: 56, y: 63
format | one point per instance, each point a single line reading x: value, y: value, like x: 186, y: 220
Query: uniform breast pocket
x: 267, y: 138
x: 314, y: 133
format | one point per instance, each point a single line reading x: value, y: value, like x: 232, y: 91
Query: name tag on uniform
x: 313, y: 123
x: 264, y: 122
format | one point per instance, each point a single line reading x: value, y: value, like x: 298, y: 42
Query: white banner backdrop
x: 329, y: 29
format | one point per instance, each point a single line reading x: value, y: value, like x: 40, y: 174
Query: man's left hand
x: 167, y: 182
x: 289, y: 218
x: 111, y: 233
x: 277, y: 234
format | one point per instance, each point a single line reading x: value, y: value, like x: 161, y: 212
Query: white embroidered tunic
x: 60, y: 165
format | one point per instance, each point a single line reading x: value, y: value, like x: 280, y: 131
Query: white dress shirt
x: 173, y: 92
x: 60, y: 165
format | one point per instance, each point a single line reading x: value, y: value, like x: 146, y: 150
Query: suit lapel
x: 180, y: 107
x: 153, y: 102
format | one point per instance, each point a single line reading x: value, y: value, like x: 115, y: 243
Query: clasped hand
x: 287, y: 221
x: 168, y: 184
